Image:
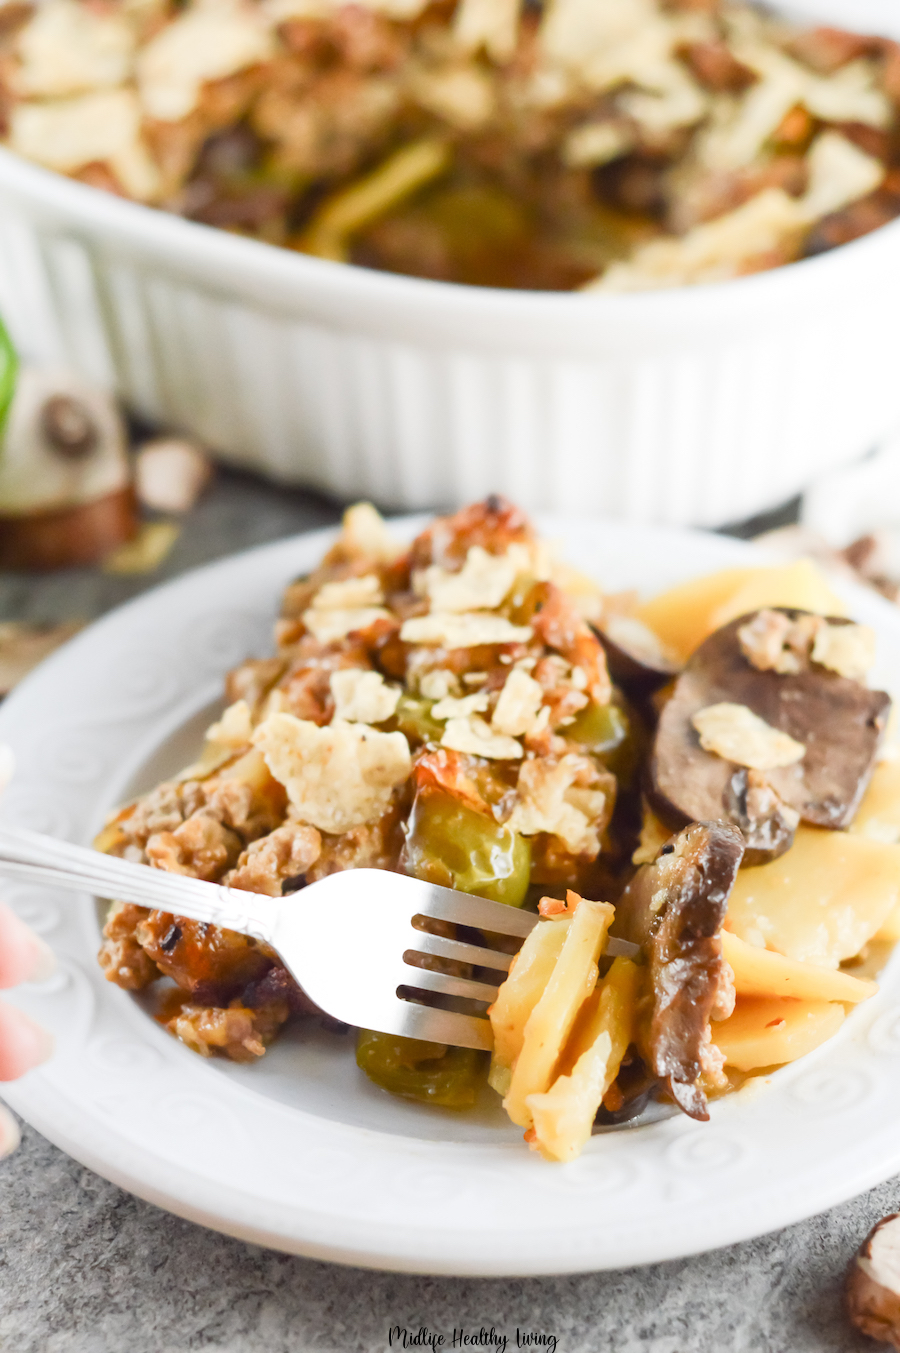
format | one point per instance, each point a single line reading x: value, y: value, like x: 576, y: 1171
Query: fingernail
x: 10, y: 1135
x: 44, y: 965
x: 7, y: 765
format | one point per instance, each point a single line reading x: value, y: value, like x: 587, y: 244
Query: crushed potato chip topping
x: 491, y: 24
x: 69, y: 48
x: 473, y: 735
x: 201, y: 44
x: 347, y: 594
x: 480, y: 585
x: 438, y: 684
x: 735, y: 733
x: 520, y: 704
x: 235, y: 727
x: 337, y: 777
x: 452, y: 708
x: 839, y: 173
x: 365, y: 535
x: 363, y: 697
x: 848, y: 650
x: 102, y: 127
x: 469, y: 630
x: 339, y: 608
x: 772, y: 641
x: 558, y: 797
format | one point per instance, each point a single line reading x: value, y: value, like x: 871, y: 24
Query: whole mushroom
x: 65, y: 482
x: 873, y: 1283
x: 170, y: 473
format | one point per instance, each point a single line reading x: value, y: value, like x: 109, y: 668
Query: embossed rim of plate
x: 135, y: 1107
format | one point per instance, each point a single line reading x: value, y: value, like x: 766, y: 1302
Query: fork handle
x: 32, y: 856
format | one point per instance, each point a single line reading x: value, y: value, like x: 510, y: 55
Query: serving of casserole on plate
x: 748, y: 713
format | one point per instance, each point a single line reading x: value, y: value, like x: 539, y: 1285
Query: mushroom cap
x: 839, y: 721
x: 873, y: 1283
x: 64, y: 445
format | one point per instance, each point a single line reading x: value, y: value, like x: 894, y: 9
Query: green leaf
x: 9, y: 371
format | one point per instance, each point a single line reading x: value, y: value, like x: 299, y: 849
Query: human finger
x: 9, y: 1133
x: 23, y: 1044
x: 24, y: 957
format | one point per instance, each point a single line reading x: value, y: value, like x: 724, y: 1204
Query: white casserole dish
x: 689, y: 406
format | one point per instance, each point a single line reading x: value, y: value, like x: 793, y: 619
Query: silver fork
x: 350, y: 940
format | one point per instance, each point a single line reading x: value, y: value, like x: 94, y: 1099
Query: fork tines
x: 480, y: 912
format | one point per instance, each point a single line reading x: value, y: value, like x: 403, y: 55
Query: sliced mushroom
x: 637, y: 660
x: 674, y: 908
x: 765, y: 822
x: 839, y: 721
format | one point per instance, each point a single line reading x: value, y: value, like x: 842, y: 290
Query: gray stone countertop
x: 86, y: 1268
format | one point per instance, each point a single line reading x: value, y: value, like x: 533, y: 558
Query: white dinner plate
x: 300, y: 1151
